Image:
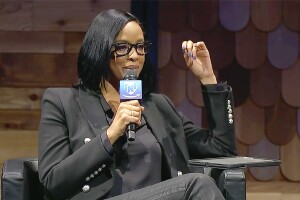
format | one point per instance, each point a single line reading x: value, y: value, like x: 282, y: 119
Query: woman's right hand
x: 128, y: 112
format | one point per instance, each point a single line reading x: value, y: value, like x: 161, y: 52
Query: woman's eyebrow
x: 126, y: 41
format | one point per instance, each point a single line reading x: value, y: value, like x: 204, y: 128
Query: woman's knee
x: 202, y: 186
x: 202, y: 179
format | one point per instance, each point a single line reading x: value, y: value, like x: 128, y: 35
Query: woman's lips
x: 132, y: 67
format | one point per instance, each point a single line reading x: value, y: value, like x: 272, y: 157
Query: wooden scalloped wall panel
x: 254, y: 46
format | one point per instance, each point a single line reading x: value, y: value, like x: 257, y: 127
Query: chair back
x: 20, y: 180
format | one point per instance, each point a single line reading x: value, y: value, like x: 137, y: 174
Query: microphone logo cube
x: 130, y: 89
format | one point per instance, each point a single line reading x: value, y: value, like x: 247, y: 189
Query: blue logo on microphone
x: 130, y: 89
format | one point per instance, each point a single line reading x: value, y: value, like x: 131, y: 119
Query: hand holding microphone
x: 129, y: 112
x: 130, y: 89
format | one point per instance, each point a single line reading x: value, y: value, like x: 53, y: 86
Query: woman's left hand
x: 197, y: 58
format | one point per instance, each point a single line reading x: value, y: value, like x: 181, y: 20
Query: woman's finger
x: 133, y: 117
x: 194, y: 52
x: 184, y: 51
x: 131, y: 105
x: 189, y: 47
x: 183, y: 46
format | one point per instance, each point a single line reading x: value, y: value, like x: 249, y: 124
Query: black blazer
x: 73, y: 163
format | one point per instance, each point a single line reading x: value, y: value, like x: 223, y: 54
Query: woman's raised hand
x: 197, y: 58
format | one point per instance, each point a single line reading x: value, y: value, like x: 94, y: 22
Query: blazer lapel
x: 92, y: 110
x: 156, y: 123
x: 172, y: 141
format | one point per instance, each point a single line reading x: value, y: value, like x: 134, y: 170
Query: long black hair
x: 95, y: 54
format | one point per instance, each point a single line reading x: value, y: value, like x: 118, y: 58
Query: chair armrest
x: 12, y: 180
x: 19, y: 180
x: 231, y: 182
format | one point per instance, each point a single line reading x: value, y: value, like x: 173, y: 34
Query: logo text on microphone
x: 130, y: 89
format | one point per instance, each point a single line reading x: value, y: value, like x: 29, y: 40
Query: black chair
x: 20, y: 181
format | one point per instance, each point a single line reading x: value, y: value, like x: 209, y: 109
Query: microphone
x: 130, y: 89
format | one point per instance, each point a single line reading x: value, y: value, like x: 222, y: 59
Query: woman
x: 83, y: 151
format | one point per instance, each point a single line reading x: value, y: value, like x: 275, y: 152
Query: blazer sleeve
x: 219, y: 138
x: 61, y: 171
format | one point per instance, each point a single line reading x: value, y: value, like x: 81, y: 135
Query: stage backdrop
x: 254, y: 46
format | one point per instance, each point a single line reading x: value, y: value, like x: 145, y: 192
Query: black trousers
x: 185, y: 187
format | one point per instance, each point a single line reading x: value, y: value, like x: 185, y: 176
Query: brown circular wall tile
x: 280, y: 122
x: 283, y: 47
x: 177, y: 38
x: 290, y: 161
x: 239, y: 79
x: 194, y: 93
x: 291, y: 85
x: 172, y: 82
x: 242, y: 149
x: 265, y: 85
x: 221, y: 45
x: 172, y: 15
x: 234, y: 15
x: 164, y: 48
x: 191, y: 111
x: 266, y: 15
x: 249, y: 122
x: 298, y: 122
x: 264, y: 149
x: 291, y: 14
x: 203, y: 14
x: 251, y: 47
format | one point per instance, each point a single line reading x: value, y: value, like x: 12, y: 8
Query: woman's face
x: 132, y: 34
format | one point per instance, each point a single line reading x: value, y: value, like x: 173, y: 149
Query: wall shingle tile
x: 249, y: 122
x: 172, y: 15
x: 266, y: 15
x: 290, y: 85
x: 172, y: 82
x: 290, y: 161
x: 283, y: 47
x: 221, y: 45
x: 234, y: 15
x: 280, y: 122
x: 251, y: 47
x: 176, y: 41
x: 194, y: 93
x: 164, y: 48
x: 265, y: 85
x: 298, y: 122
x: 202, y: 15
x: 242, y: 149
x: 239, y: 79
x: 291, y: 14
x: 193, y: 112
x: 264, y: 149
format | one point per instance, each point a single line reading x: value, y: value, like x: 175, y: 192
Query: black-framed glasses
x: 123, y: 48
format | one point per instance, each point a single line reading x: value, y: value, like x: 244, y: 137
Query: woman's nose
x: 133, y: 54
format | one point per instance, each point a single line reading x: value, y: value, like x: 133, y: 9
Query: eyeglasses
x: 123, y: 48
